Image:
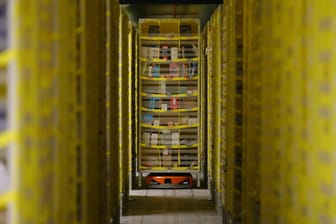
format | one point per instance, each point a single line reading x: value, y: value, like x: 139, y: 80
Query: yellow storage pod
x: 290, y: 105
x: 225, y: 106
x: 170, y: 96
x: 253, y: 104
x: 113, y: 141
x: 8, y: 155
x: 125, y: 99
x: 53, y: 154
x: 216, y: 105
x: 44, y: 114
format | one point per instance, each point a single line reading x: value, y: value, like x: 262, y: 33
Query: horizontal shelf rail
x: 169, y: 146
x: 165, y: 111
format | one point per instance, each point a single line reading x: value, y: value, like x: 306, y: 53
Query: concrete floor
x: 180, y: 206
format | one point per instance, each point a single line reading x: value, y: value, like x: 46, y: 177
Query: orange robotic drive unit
x: 169, y: 180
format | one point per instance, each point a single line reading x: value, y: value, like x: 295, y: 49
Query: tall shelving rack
x: 7, y: 190
x: 169, y: 96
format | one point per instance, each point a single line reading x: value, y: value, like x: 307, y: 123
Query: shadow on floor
x: 152, y: 205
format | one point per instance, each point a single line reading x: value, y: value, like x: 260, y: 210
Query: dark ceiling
x: 171, y: 1
x: 201, y: 9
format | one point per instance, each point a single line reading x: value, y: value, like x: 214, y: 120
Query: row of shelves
x: 178, y: 158
x: 171, y: 79
x: 190, y: 93
x: 165, y: 51
x: 171, y: 134
x: 170, y: 71
x: 177, y: 104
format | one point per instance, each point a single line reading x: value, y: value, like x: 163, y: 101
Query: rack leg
x: 198, y: 180
x: 139, y: 180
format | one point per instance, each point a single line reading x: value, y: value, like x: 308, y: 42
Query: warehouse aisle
x: 170, y: 207
x: 95, y: 95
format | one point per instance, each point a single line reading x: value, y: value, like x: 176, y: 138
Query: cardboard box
x: 183, y: 52
x: 185, y: 70
x: 173, y: 103
x: 192, y: 121
x: 156, y: 71
x: 147, y: 119
x: 165, y: 52
x: 174, y: 53
x: 193, y: 70
x: 164, y: 106
x: 162, y: 87
x: 152, y: 103
x: 189, y: 92
x: 153, y: 53
x: 144, y: 52
x: 173, y: 69
x: 156, y: 52
x: 184, y: 120
x: 154, y: 139
x: 166, y: 139
x: 167, y: 160
x: 150, y: 53
x: 156, y: 122
x: 146, y: 138
x: 175, y: 139
x: 150, y: 71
